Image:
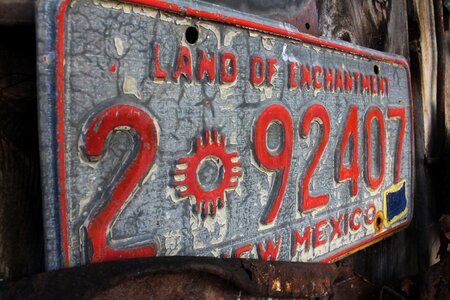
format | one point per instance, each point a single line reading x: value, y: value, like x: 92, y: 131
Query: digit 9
x: 274, y: 160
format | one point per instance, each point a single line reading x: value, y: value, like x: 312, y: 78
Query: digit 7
x: 398, y: 112
x: 276, y: 162
x: 319, y: 114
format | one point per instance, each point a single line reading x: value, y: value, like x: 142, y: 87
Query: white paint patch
x: 130, y: 86
x: 229, y: 37
x: 266, y: 92
x: 173, y: 243
x: 171, y: 193
x: 118, y: 43
x: 214, y: 30
x: 83, y: 202
x: 201, y: 228
x: 226, y: 90
x: 151, y: 174
x: 287, y: 57
x: 233, y: 138
x: 268, y: 42
x: 253, y: 34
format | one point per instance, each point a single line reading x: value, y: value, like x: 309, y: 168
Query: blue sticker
x: 396, y: 202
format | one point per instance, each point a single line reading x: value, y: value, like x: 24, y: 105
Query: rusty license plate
x: 171, y: 130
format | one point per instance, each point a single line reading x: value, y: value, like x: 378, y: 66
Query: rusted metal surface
x: 192, y: 278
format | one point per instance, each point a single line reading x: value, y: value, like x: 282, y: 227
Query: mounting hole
x: 379, y: 220
x: 376, y: 69
x: 191, y: 35
x: 345, y: 36
x: 307, y: 25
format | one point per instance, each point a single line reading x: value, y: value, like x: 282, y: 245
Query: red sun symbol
x: 208, y: 173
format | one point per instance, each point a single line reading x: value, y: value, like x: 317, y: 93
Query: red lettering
x: 351, y: 172
x: 374, y: 85
x: 339, y: 81
x: 293, y: 65
x: 228, y: 58
x: 387, y: 85
x: 374, y: 113
x: 241, y: 250
x: 257, y: 77
x: 398, y: 113
x: 329, y: 79
x: 184, y: 64
x: 355, y: 225
x: 318, y: 238
x: 356, y: 74
x: 271, y: 69
x: 317, y: 71
x: 271, y: 253
x: 315, y: 113
x: 299, y: 240
x: 381, y: 85
x: 365, y: 83
x: 348, y: 82
x: 306, y: 76
x: 336, y: 227
x: 159, y: 72
x: 207, y: 66
x: 370, y: 218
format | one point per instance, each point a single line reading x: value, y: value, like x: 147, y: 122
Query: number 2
x: 128, y: 178
x: 317, y: 113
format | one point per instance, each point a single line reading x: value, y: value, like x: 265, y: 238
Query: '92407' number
x: 280, y: 162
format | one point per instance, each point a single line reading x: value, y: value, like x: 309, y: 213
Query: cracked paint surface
x: 105, y: 33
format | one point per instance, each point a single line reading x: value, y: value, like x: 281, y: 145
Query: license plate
x: 170, y: 130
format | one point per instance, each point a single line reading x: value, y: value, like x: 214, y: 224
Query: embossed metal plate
x: 171, y: 129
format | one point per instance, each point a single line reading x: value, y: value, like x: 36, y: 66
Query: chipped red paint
x: 159, y: 72
x: 61, y: 165
x: 112, y: 68
x: 313, y: 113
x: 375, y: 113
x: 279, y: 163
x: 171, y: 7
x: 394, y: 113
x: 228, y: 57
x: 271, y: 63
x: 184, y: 64
x: 95, y: 140
x: 207, y: 66
x: 208, y: 148
x: 257, y: 70
x: 293, y: 65
x: 352, y: 171
x: 355, y: 226
x: 271, y: 251
x: 241, y: 250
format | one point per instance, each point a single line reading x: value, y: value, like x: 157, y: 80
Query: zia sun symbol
x: 208, y: 173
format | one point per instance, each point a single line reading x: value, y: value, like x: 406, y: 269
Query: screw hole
x: 376, y: 69
x: 345, y: 36
x: 307, y: 26
x: 191, y: 35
